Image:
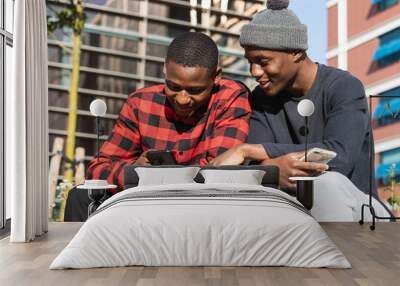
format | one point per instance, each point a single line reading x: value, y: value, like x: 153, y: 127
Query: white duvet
x: 201, y: 224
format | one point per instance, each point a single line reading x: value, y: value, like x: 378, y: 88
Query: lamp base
x: 374, y: 216
x: 305, y: 193
x: 96, y: 196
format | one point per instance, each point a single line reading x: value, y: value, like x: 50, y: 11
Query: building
x: 123, y: 46
x: 364, y: 38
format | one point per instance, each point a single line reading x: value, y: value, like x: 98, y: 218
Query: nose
x: 182, y: 98
x: 256, y: 70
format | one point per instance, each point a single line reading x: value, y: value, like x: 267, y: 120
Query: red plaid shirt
x: 147, y: 121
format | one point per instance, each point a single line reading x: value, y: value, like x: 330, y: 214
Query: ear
x: 165, y: 70
x: 298, y: 56
x: 217, y: 75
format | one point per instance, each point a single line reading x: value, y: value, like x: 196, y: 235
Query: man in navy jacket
x: 275, y: 44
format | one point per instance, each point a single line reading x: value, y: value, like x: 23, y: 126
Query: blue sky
x: 313, y: 14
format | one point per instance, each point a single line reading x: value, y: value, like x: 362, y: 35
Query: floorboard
x: 374, y: 255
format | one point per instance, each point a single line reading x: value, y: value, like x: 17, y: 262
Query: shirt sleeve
x: 120, y: 149
x: 345, y: 129
x: 231, y: 126
x: 259, y: 122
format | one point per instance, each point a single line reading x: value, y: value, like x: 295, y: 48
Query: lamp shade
x: 305, y: 107
x: 98, y: 107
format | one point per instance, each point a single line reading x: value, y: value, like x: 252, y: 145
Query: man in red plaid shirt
x: 196, y: 114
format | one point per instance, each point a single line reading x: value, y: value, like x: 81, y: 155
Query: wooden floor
x: 375, y: 256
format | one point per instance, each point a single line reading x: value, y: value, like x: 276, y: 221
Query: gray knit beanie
x: 275, y: 28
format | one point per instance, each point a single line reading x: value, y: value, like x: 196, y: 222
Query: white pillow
x: 248, y: 177
x: 166, y: 176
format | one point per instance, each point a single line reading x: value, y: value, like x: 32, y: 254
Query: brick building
x: 364, y: 38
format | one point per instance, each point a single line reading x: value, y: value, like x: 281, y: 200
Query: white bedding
x: 218, y: 226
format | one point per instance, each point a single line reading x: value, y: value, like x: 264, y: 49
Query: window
x: 390, y: 162
x: 384, y: 4
x: 388, y: 109
x: 6, y: 42
x: 389, y: 48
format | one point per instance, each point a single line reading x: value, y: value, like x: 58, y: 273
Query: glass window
x: 109, y: 62
x: 390, y: 157
x: 388, y: 51
x: 155, y: 69
x: 384, y: 4
x: 59, y: 76
x: 9, y: 15
x: 58, y: 98
x: 166, y: 30
x: 156, y: 50
x: 169, y: 10
x: 389, y: 167
x: 235, y: 63
x: 93, y: 81
x: 126, y: 5
x: 111, y: 21
x: 388, y: 109
x: 110, y: 42
x: 58, y: 54
x: 107, y: 83
x: 85, y: 123
x: 390, y: 36
x: 224, y: 40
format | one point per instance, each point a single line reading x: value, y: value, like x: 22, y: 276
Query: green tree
x: 393, y: 200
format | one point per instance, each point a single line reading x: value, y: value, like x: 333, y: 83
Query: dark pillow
x: 270, y: 179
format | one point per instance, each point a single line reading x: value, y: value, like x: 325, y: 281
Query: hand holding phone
x: 319, y: 155
x: 161, y: 157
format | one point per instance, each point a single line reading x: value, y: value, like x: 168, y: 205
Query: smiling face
x: 188, y: 88
x: 273, y: 70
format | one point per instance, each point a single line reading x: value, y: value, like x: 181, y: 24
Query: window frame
x: 6, y: 39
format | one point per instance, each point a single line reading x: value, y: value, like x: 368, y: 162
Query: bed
x: 200, y: 224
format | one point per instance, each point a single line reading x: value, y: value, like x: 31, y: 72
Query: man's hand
x: 142, y: 160
x: 234, y: 156
x: 290, y: 166
x: 238, y: 154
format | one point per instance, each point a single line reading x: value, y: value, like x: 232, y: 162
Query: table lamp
x: 98, y: 109
x: 306, y: 108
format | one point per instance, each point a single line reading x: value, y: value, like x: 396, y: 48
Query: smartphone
x: 319, y: 155
x: 164, y: 157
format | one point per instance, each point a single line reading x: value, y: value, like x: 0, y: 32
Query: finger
x: 214, y: 162
x: 297, y: 155
x: 300, y: 173
x: 311, y: 166
x: 286, y: 184
x: 316, y: 174
x: 145, y: 152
